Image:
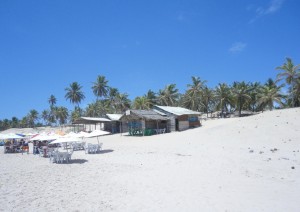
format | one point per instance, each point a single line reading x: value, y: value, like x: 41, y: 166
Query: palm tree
x: 61, y: 114
x: 192, y: 97
x: 122, y: 103
x: 14, y: 122
x: 223, y: 97
x: 5, y: 124
x: 112, y: 95
x: 241, y: 94
x: 45, y: 116
x: 290, y: 73
x: 52, y: 100
x: 255, y: 88
x: 151, y: 98
x: 169, y: 95
x: 141, y: 103
x: 91, y: 110
x: 103, y: 107
x: 24, y: 122
x: 296, y: 93
x: 207, y: 99
x: 269, y: 94
x: 76, y: 114
x: 74, y: 93
x: 100, y: 87
x: 32, y: 117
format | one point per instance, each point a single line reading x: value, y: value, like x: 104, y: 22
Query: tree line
x: 198, y: 97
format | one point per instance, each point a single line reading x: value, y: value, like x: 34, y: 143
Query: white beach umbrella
x: 97, y: 133
x: 12, y: 136
x: 3, y: 136
x: 65, y: 140
x: 70, y: 134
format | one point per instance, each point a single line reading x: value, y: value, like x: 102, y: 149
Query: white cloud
x: 237, y: 47
x: 274, y: 6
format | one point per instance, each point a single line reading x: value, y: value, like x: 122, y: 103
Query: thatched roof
x: 143, y: 114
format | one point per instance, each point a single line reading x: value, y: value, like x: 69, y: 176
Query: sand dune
x: 239, y: 164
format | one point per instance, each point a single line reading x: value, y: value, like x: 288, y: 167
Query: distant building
x: 144, y: 119
x: 180, y: 118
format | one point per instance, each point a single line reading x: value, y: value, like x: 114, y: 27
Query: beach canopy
x: 66, y: 140
x: 97, y: 133
x: 3, y: 136
x: 45, y: 137
x: 77, y: 135
x: 10, y: 136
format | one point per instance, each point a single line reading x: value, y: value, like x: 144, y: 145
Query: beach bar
x: 145, y: 122
x: 180, y: 118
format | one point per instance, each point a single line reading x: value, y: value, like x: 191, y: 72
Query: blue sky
x: 138, y: 45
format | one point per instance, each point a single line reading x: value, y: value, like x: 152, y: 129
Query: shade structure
x: 66, y: 140
x: 97, y: 133
x: 3, y: 136
x: 45, y: 137
x: 10, y: 136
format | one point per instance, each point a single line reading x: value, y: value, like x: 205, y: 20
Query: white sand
x: 211, y: 168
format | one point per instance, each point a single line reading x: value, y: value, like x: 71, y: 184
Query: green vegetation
x: 225, y: 98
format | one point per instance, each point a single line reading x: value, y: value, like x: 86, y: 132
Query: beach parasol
x: 65, y: 140
x: 97, y: 133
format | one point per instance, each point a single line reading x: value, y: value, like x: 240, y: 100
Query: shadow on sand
x: 76, y: 161
x: 103, y: 152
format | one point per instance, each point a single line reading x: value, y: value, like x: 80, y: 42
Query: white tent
x: 97, y: 133
x: 10, y: 136
x: 66, y: 140
x: 45, y: 137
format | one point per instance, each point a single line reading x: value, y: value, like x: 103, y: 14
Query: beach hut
x: 180, y: 118
x: 92, y: 123
x: 142, y: 121
x: 116, y: 125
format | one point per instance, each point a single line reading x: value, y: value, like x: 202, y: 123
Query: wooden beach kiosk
x: 180, y: 118
x: 145, y: 122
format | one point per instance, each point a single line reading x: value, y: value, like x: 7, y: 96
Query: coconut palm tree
x: 223, y: 97
x: 74, y: 93
x: 23, y: 122
x: 121, y: 103
x: 141, y: 103
x: 151, y: 98
x: 295, y: 94
x: 52, y: 100
x: 45, y: 116
x: 241, y: 94
x: 168, y: 96
x: 14, y: 122
x: 32, y: 117
x: 103, y: 107
x: 289, y: 73
x: 91, y: 110
x: 207, y: 99
x: 76, y: 114
x: 252, y: 104
x: 192, y: 97
x: 61, y: 114
x: 100, y: 87
x: 270, y: 94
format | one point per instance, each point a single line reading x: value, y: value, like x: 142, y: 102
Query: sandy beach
x: 237, y: 164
